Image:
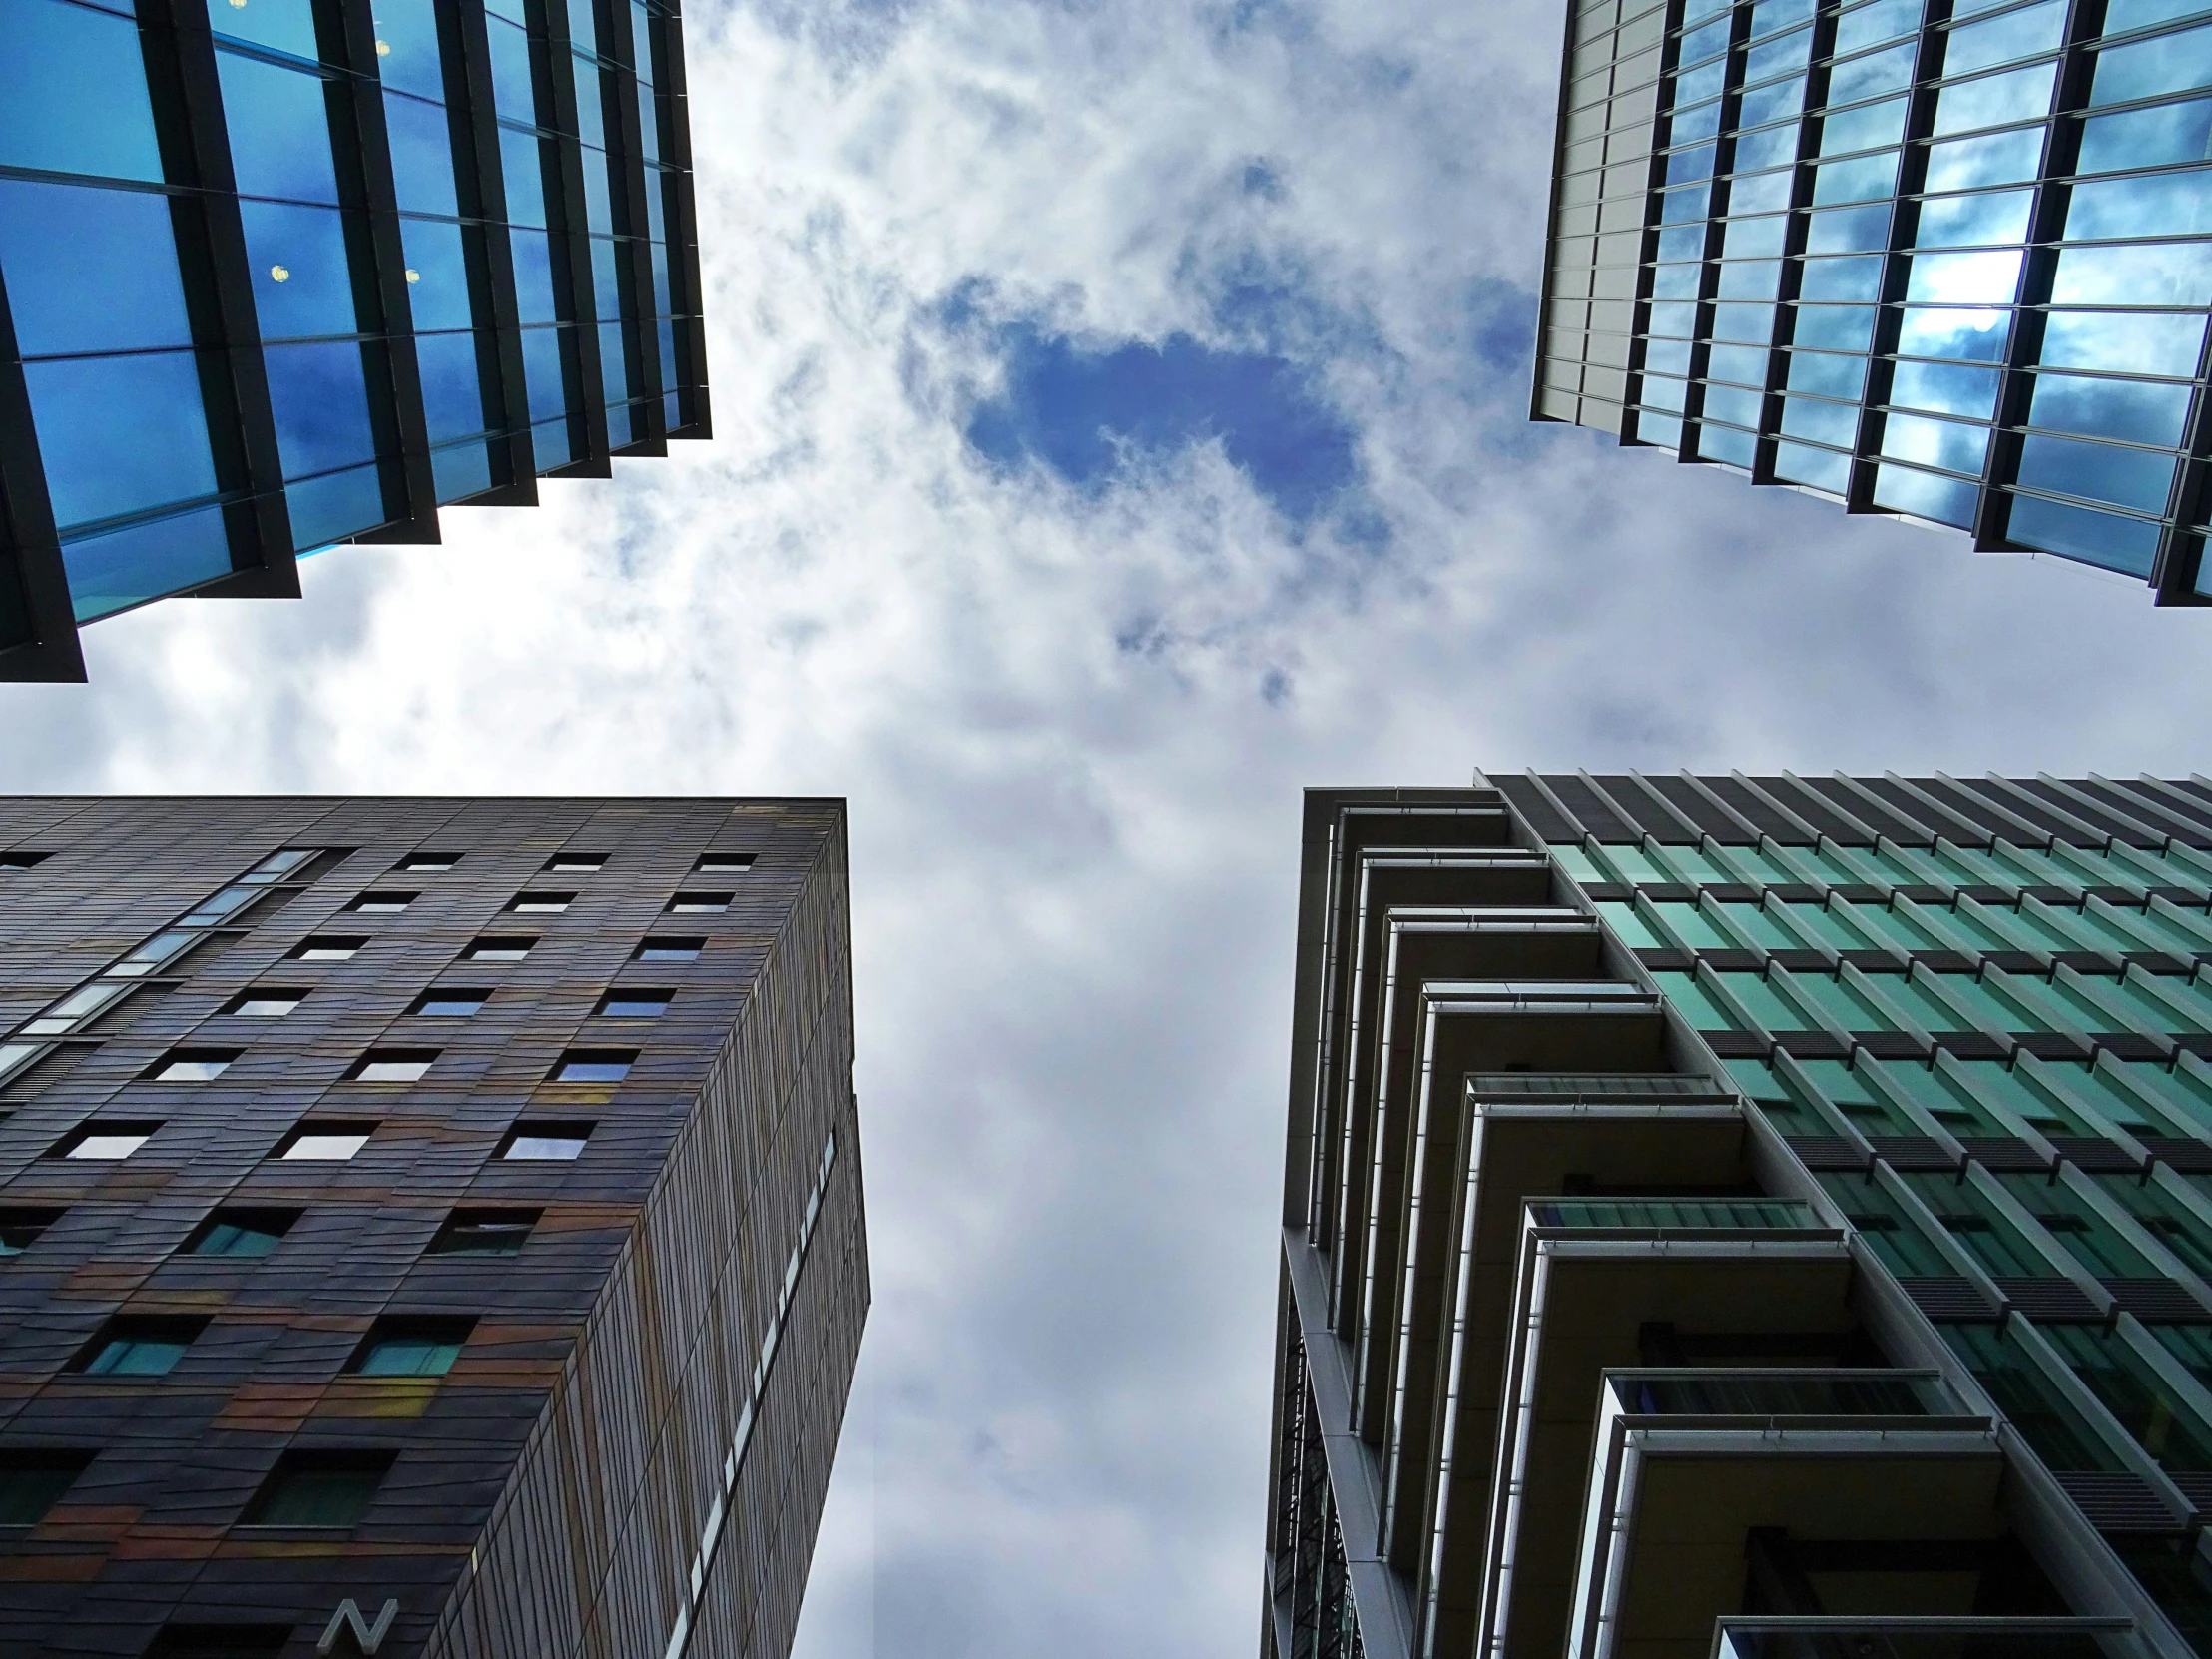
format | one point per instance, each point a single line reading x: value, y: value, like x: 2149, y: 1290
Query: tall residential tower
x: 277, y: 273
x: 1758, y: 1217
x: 428, y: 1227
x: 1934, y: 259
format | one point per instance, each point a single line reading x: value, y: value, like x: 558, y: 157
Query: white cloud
x: 1074, y: 860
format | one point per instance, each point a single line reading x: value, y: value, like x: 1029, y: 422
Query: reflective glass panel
x: 2137, y: 343
x: 1833, y: 328
x: 591, y: 115
x: 2017, y: 34
x: 1973, y: 335
x: 1688, y: 125
x: 1870, y: 24
x: 461, y: 469
x: 1679, y: 207
x: 1750, y: 279
x: 1777, y: 56
x: 1700, y: 44
x: 513, y: 93
x: 2140, y: 411
x: 302, y: 276
x: 452, y: 390
x: 2122, y: 16
x: 1994, y: 100
x: 613, y: 371
x: 2149, y: 273
x: 551, y: 444
x: 1720, y: 443
x: 1770, y: 147
x: 1667, y: 357
x: 519, y: 161
x: 1738, y: 406
x: 1989, y: 279
x: 285, y: 25
x: 1821, y: 423
x: 2155, y: 205
x: 541, y: 365
x: 1863, y: 128
x: 120, y: 434
x: 437, y: 273
x: 533, y: 265
x: 606, y: 281
x: 1945, y: 389
x: 1661, y: 393
x: 1772, y: 102
x: 2128, y: 545
x: 421, y: 156
x: 1818, y: 467
x: 1745, y: 366
x: 324, y: 509
x: 1849, y: 231
x: 1998, y: 159
x: 1862, y: 179
x: 280, y: 127
x: 72, y: 93
x: 89, y: 269
x: 112, y: 572
x: 1765, y: 192
x: 2169, y: 63
x: 408, y: 47
x: 2147, y: 138
x: 1827, y: 374
x: 1878, y: 72
x: 2138, y: 478
x: 1687, y: 165
x: 1964, y: 221
x: 1924, y: 495
x: 1944, y: 443
x: 1748, y: 324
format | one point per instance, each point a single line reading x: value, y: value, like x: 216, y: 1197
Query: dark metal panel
x: 681, y: 221
x: 1704, y: 814
x: 1836, y: 812
x: 37, y: 628
x: 569, y: 227
x: 1771, y: 817
x: 1600, y: 820
x: 1529, y: 800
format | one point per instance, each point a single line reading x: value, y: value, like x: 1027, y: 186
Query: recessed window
x: 633, y: 1004
x: 139, y: 1346
x: 383, y: 904
x: 319, y: 1488
x: 724, y: 863
x: 266, y: 1002
x: 397, y: 1346
x: 22, y: 860
x: 558, y: 1142
x: 698, y: 903
x: 428, y: 863
x: 240, y: 1233
x: 498, y: 950
x: 541, y: 903
x: 20, y: 1228
x: 483, y: 1232
x: 77, y: 1009
x: 576, y: 863
x: 450, y: 1003
x: 595, y: 1065
x: 220, y: 1641
x: 324, y: 1142
x: 105, y: 1140
x: 193, y: 1065
x: 33, y: 1480
x: 670, y: 950
x: 327, y: 948
x: 393, y: 1065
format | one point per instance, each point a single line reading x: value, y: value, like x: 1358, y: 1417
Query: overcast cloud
x: 1121, y: 416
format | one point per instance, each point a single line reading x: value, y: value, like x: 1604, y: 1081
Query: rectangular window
x: 32, y: 1481
x: 220, y: 1641
x: 559, y: 1142
x: 105, y: 1140
x: 323, y: 1142
x: 383, y: 904
x: 542, y: 903
x: 428, y: 863
x: 138, y: 1346
x: 328, y: 948
x: 393, y: 1065
x: 576, y: 863
x: 595, y: 1065
x: 20, y: 1227
x: 240, y: 1232
x: 450, y: 1003
x: 319, y: 1488
x: 498, y: 950
x: 483, y: 1232
x: 400, y: 1346
x: 670, y: 950
x: 633, y: 1004
x: 193, y: 1065
x: 698, y: 903
x: 22, y: 860
x: 724, y: 863
x: 266, y: 1002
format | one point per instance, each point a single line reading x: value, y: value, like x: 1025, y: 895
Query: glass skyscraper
x: 1937, y: 259
x: 276, y: 274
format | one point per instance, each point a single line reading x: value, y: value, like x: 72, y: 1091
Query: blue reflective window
x: 1750, y: 324
x: 1872, y: 25
x: 2168, y: 63
x: 1719, y: 443
x: 90, y: 270
x: 656, y: 205
x: 1827, y: 375
x: 2138, y: 478
x: 2128, y: 545
x: 452, y: 386
x: 583, y: 24
x: 1750, y: 279
x: 1686, y: 126
x: 1770, y: 15
x: 1674, y: 317
x: 513, y: 91
x: 1687, y: 165
x: 591, y: 114
x: 285, y: 25
x: 2123, y: 16
x: 2138, y: 411
x: 1863, y: 128
x: 303, y: 278
x: 2019, y: 33
x: 1983, y: 278
x: 1667, y: 357
x: 613, y: 363
x: 1833, y: 328
x: 666, y: 333
x: 1777, y: 56
x: 321, y: 397
x: 112, y: 572
x: 1924, y: 495
x: 1878, y: 72
x: 279, y: 125
x: 1663, y: 392
x: 1945, y: 389
x: 662, y: 306
x: 519, y: 160
x: 437, y: 273
x: 1756, y: 239
x: 550, y: 445
x: 1829, y: 423
x: 2153, y: 204
x: 421, y: 155
x: 1975, y: 336
x: 534, y: 293
x: 541, y: 372
x: 597, y: 213
x: 1770, y: 147
x: 1862, y: 179
x: 463, y: 469
x: 2147, y: 138
x: 1734, y: 405
x: 1944, y: 443
x: 1684, y: 241
x: 1700, y: 84
x: 1665, y: 431
x: 671, y: 412
x: 618, y: 426
x: 1851, y: 231
x: 2131, y: 343
x: 1774, y: 101
x: 120, y: 434
x: 1963, y: 220
x: 1700, y: 44
x: 2149, y: 273
x: 1766, y: 192
x: 1998, y: 159
x: 1994, y: 100
x: 408, y: 47
x: 604, y: 281
x: 72, y: 93
x: 649, y: 127
x: 640, y: 43
x: 1822, y: 469
x: 334, y: 505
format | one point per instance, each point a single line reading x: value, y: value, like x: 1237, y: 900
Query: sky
x: 1121, y: 425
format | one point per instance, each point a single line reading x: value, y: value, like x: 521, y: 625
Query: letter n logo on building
x: 366, y: 1637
